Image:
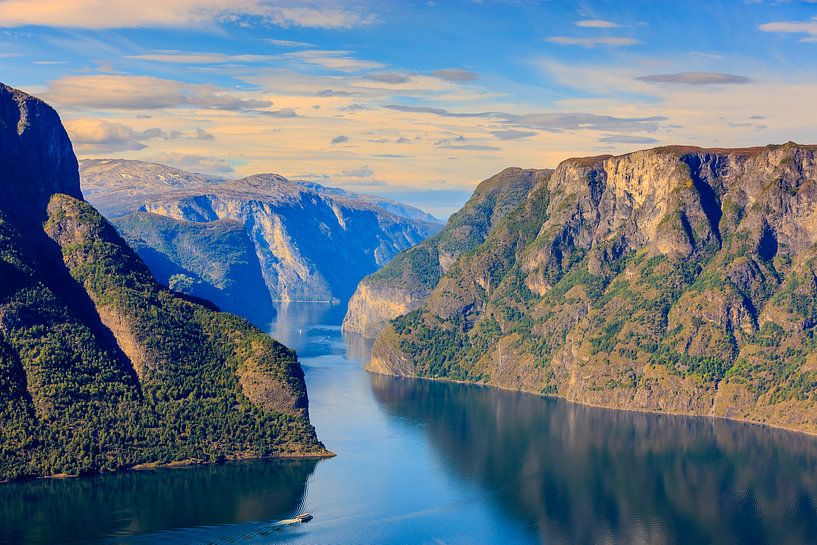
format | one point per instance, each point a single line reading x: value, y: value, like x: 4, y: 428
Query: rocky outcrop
x: 403, y: 284
x: 677, y: 280
x: 298, y: 232
x: 101, y: 367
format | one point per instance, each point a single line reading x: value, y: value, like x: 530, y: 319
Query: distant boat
x: 304, y: 517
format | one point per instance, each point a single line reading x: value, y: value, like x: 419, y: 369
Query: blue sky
x: 414, y: 100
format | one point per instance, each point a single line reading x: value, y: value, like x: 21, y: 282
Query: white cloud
x: 287, y: 43
x: 809, y: 28
x: 193, y: 162
x: 145, y: 92
x: 596, y: 23
x: 100, y: 136
x: 340, y: 61
x: 696, y: 78
x: 456, y: 75
x: 180, y: 13
x: 613, y: 41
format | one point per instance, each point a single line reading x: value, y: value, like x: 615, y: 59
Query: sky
x: 416, y: 101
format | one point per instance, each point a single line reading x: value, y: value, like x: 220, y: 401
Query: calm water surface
x: 423, y: 462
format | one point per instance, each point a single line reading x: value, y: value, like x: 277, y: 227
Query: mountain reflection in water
x: 581, y: 475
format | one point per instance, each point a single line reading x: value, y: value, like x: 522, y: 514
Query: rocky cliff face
x: 403, y: 284
x: 100, y: 366
x: 677, y: 279
x: 310, y: 242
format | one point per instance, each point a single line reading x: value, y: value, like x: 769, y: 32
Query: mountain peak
x: 36, y: 156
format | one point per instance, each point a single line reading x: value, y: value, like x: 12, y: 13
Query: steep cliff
x: 404, y: 283
x: 677, y: 279
x: 309, y: 242
x: 100, y: 366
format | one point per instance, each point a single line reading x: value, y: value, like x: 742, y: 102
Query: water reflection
x: 580, y: 475
x: 80, y: 510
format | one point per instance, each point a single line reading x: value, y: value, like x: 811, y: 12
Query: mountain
x: 245, y: 243
x: 101, y: 367
x: 118, y: 186
x: 403, y: 284
x: 676, y: 279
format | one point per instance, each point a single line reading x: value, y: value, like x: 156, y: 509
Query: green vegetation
x: 72, y: 401
x: 569, y: 295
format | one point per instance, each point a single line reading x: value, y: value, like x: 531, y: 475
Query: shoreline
x: 603, y: 407
x: 175, y: 464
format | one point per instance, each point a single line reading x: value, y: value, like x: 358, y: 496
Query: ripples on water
x: 426, y: 462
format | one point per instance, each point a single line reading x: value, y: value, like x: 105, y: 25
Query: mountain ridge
x: 101, y: 367
x: 671, y: 280
x: 298, y: 231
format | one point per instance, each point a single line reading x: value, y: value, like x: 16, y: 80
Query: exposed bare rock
x: 675, y: 279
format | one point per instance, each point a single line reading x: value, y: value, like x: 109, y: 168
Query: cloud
x: 100, y: 14
x: 144, y: 93
x: 596, y: 23
x: 100, y: 136
x: 549, y: 121
x: 613, y: 41
x: 434, y: 111
x: 282, y: 113
x: 362, y: 172
x: 457, y: 143
x: 471, y: 147
x: 512, y: 134
x: 387, y: 77
x: 287, y: 43
x: 696, y: 78
x: 339, y: 61
x: 332, y: 93
x: 455, y: 75
x: 340, y: 139
x: 809, y: 28
x: 181, y: 57
x: 627, y: 139
x: 193, y: 163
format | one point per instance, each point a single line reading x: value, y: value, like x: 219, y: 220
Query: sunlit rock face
x: 258, y: 239
x: 403, y: 284
x: 675, y: 279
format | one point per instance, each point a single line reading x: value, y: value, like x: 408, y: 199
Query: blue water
x: 437, y: 463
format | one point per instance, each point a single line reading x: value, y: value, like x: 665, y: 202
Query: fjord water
x: 427, y: 462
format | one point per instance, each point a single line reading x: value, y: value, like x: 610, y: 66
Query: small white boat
x: 304, y: 517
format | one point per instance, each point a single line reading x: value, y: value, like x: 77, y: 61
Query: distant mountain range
x: 677, y: 279
x: 245, y: 243
x: 101, y: 367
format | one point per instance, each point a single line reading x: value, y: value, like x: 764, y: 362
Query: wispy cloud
x: 456, y: 75
x: 99, y: 136
x: 287, y: 43
x: 512, y: 134
x: 145, y: 92
x: 612, y: 41
x: 596, y: 23
x: 193, y: 162
x: 387, y: 77
x: 696, y: 78
x: 807, y: 27
x: 548, y: 121
x: 180, y: 57
x: 340, y: 61
x: 627, y: 139
x: 340, y: 139
x: 361, y: 172
x: 100, y: 14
